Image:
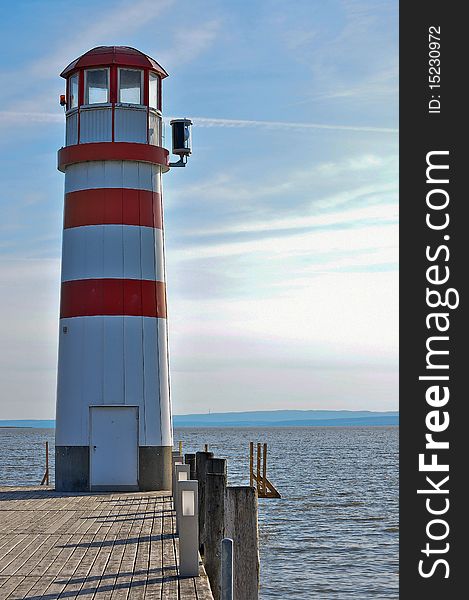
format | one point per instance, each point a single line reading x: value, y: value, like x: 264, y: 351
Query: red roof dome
x: 124, y: 56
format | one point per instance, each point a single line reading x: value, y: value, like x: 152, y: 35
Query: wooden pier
x: 106, y: 546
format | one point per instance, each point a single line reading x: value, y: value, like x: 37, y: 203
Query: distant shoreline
x: 259, y: 419
x: 356, y: 426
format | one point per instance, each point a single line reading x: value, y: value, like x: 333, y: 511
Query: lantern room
x: 113, y: 94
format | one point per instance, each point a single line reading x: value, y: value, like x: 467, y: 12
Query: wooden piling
x: 242, y: 527
x: 265, y: 489
x: 189, y: 459
x: 264, y: 470
x: 45, y: 479
x: 214, y: 522
x: 201, y: 459
x: 258, y: 481
x: 180, y: 448
x: 47, y: 463
x: 217, y: 465
x: 251, y: 463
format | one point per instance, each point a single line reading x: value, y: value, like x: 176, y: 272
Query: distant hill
x: 45, y: 424
x: 288, y: 418
x: 263, y: 418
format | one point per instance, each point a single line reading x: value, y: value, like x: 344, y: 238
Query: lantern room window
x: 96, y: 86
x: 130, y: 86
x: 153, y: 90
x: 73, y: 91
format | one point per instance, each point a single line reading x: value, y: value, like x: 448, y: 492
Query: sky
x: 282, y: 231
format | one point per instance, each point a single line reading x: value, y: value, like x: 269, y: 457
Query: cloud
x: 285, y: 386
x: 29, y: 294
x: 352, y: 59
x: 294, y: 387
x: 212, y: 122
x: 372, y: 88
x: 301, y: 192
x: 353, y: 216
x: 118, y: 21
x: 26, y: 117
x: 344, y: 240
x: 123, y: 18
x: 105, y: 29
x: 45, y: 117
x: 337, y: 318
x: 188, y: 43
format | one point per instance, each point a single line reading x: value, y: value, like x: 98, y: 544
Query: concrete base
x: 155, y: 468
x: 72, y: 468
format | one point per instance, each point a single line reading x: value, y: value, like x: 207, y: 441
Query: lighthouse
x: 113, y: 414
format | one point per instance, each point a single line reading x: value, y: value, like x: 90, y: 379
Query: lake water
x: 334, y: 532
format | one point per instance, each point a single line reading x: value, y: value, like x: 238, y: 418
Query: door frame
x: 113, y: 488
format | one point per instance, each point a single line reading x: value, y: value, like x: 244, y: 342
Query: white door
x: 113, y: 447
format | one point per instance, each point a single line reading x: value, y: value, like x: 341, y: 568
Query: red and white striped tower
x: 113, y: 418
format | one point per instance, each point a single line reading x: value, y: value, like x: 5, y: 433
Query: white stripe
x: 113, y: 174
x: 69, y: 428
x: 92, y: 361
x: 112, y: 240
x: 133, y: 369
x: 151, y: 379
x: 165, y: 404
x: 112, y: 252
x: 113, y: 360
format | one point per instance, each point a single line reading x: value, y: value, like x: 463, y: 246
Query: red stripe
x: 112, y: 206
x: 113, y: 151
x: 124, y: 297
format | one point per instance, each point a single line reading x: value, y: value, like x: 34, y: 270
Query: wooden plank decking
x: 107, y: 546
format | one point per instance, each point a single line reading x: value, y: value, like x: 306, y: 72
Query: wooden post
x: 251, y: 463
x: 189, y: 459
x: 180, y: 448
x: 45, y: 479
x: 201, y: 459
x: 47, y: 463
x: 214, y: 522
x: 205, y: 447
x: 217, y: 465
x: 264, y: 470
x: 258, y: 468
x: 241, y: 527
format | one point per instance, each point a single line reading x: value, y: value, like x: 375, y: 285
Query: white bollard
x: 188, y: 528
x: 182, y: 473
x: 226, y: 569
x: 177, y: 460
